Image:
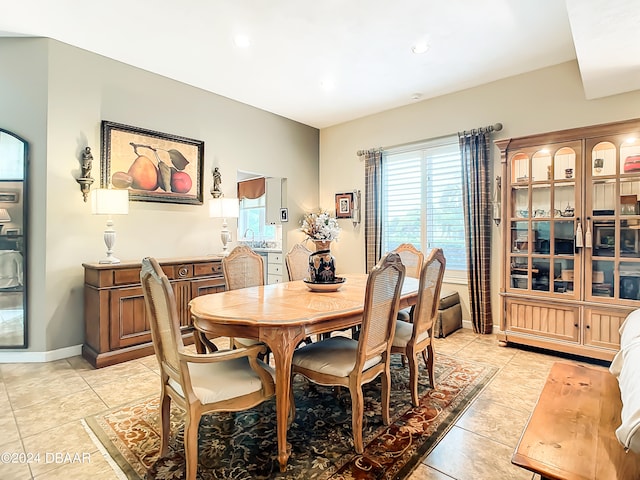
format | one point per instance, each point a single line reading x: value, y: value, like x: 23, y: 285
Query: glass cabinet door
x: 613, y: 219
x: 543, y: 209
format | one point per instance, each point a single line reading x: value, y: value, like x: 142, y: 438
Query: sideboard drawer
x: 126, y: 276
x: 209, y: 268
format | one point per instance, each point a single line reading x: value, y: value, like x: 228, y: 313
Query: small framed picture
x: 284, y: 214
x: 344, y: 205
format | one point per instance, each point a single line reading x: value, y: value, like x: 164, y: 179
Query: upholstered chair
x: 414, y: 338
x: 297, y: 261
x: 343, y: 361
x: 224, y: 381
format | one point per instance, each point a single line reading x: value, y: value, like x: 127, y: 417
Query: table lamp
x: 107, y: 201
x: 224, y: 208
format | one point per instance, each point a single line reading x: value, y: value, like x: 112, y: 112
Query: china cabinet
x: 570, y: 225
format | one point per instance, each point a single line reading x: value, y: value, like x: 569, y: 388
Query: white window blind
x: 422, y: 201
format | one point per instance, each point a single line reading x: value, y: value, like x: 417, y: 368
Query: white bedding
x: 11, y: 274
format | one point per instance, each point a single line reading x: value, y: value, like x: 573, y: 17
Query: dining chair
x: 412, y: 259
x: 414, y: 338
x: 343, y: 361
x: 297, y: 261
x: 224, y: 381
x: 243, y: 268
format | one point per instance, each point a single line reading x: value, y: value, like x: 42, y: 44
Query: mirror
x: 13, y: 235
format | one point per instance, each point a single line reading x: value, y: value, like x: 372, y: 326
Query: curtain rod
x: 491, y: 128
x: 371, y: 150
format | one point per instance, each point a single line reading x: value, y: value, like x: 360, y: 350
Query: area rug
x: 243, y: 445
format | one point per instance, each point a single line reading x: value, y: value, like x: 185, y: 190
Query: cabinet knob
x: 588, y: 326
x: 575, y: 325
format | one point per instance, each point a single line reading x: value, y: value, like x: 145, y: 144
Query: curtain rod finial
x: 497, y: 127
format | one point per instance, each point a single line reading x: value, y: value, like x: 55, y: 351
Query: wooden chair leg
x: 292, y: 405
x: 191, y: 445
x: 386, y: 395
x: 357, y: 413
x: 430, y: 362
x: 165, y: 423
x: 413, y: 378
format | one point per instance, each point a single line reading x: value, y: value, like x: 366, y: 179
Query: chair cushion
x: 214, y: 382
x: 403, y: 334
x: 334, y: 356
x: 404, y: 315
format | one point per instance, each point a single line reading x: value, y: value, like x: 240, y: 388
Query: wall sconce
x: 4, y: 218
x: 355, y: 218
x: 224, y: 208
x: 497, y: 194
x: 109, y: 202
x: 85, y: 179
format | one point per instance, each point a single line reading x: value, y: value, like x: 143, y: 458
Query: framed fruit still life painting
x: 153, y: 166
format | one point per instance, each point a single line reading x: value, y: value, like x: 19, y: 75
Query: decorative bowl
x: 325, y: 287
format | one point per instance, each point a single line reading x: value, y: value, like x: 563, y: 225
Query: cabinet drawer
x: 274, y: 269
x: 209, y: 268
x: 126, y: 276
x: 274, y: 279
x: 273, y: 257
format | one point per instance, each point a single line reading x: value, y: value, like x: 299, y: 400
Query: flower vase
x: 322, y: 265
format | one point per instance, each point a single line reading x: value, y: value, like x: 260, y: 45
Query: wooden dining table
x: 282, y: 315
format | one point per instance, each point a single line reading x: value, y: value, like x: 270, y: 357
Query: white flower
x: 320, y: 226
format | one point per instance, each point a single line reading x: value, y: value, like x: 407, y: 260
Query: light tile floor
x: 42, y: 407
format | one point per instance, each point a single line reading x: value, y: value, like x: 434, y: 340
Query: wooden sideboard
x: 115, y: 323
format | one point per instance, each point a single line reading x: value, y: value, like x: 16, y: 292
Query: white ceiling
x: 361, y: 47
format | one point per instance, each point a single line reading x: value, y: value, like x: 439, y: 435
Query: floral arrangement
x: 320, y: 226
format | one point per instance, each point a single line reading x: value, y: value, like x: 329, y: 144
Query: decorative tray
x: 325, y: 287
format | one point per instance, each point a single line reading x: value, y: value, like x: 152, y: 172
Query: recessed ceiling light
x: 241, y: 41
x: 420, y: 47
x: 416, y: 96
x: 327, y: 84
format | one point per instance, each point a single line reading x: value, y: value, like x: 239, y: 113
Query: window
x: 422, y: 201
x: 252, y: 223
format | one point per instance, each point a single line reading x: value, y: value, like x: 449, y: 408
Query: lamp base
x: 110, y: 260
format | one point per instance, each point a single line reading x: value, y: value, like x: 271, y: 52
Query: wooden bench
x: 571, y: 431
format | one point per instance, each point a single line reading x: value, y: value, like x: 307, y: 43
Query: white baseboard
x: 40, y: 357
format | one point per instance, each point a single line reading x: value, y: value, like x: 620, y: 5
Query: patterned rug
x: 243, y: 445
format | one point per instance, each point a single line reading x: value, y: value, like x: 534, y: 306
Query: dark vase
x: 322, y: 265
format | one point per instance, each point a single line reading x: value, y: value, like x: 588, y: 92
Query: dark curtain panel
x: 373, y: 211
x: 476, y: 184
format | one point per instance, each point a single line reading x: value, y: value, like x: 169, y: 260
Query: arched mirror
x: 13, y: 235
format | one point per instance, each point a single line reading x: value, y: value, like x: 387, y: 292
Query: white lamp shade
x: 4, y: 215
x: 224, y: 208
x: 108, y: 201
